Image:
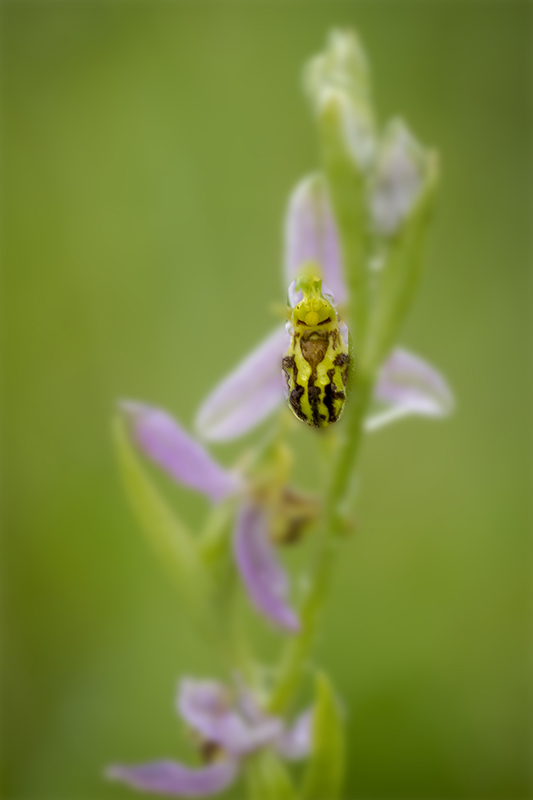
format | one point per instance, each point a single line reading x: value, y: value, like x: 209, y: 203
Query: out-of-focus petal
x: 171, y: 778
x: 409, y: 385
x: 248, y: 395
x: 380, y: 419
x: 311, y: 236
x: 295, y: 742
x: 202, y: 702
x: 399, y: 177
x: 247, y: 703
x: 207, y: 707
x: 161, y: 438
x: 264, y: 578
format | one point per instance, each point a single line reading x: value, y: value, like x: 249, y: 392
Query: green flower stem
x: 347, y: 186
x: 299, y: 648
x: 338, y: 85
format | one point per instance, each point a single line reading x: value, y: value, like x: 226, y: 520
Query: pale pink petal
x: 161, y: 439
x: 295, y: 742
x: 311, y: 236
x: 247, y: 703
x: 409, y: 385
x: 263, y: 576
x: 207, y: 707
x: 176, y: 780
x: 247, y: 395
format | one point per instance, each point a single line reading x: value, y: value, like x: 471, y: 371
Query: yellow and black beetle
x: 317, y: 361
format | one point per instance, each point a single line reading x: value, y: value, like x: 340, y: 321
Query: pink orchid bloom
x: 230, y: 727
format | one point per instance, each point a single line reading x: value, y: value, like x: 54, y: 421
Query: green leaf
x: 268, y: 778
x: 167, y: 535
x: 324, y: 774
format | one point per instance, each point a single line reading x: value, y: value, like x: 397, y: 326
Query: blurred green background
x: 148, y: 152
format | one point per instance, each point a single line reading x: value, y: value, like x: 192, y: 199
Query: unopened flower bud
x: 398, y: 179
x: 337, y: 83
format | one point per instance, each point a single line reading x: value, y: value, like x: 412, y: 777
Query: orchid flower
x: 229, y: 726
x: 168, y: 445
x: 406, y: 385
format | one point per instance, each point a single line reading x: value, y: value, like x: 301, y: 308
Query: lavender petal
x: 247, y: 395
x: 206, y: 706
x: 263, y: 576
x: 161, y: 439
x: 171, y: 778
x: 409, y: 385
x: 311, y: 236
x: 295, y: 742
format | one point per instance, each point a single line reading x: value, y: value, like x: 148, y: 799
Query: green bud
x: 401, y: 200
x: 341, y: 71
